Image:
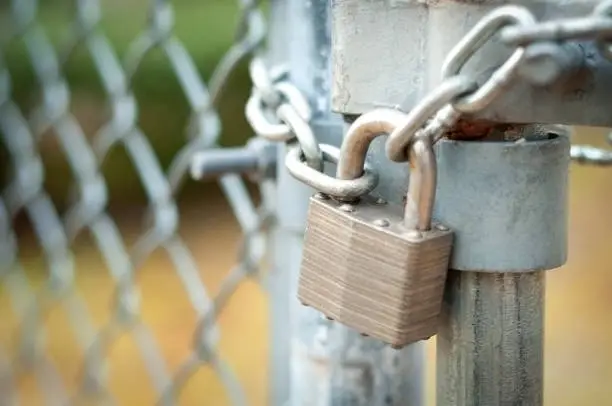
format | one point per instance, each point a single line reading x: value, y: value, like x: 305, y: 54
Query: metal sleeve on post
x: 506, y: 201
x: 509, y: 203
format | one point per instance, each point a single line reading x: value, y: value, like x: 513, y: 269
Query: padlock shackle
x: 360, y: 135
x: 422, y: 185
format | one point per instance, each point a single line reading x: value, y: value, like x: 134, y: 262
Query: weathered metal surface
x: 506, y: 201
x: 363, y: 267
x: 490, y: 342
x: 385, y: 53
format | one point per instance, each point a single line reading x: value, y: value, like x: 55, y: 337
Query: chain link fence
x: 24, y: 129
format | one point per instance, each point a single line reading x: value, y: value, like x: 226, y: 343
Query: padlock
x: 376, y: 267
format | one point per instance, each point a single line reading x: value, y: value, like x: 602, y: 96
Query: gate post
x: 506, y: 201
x: 316, y: 361
x: 508, y: 204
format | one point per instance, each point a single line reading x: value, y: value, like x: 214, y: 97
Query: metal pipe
x: 341, y: 189
x: 256, y: 159
x: 491, y: 337
x: 315, y: 361
x: 215, y: 162
x: 490, y: 344
x: 284, y: 246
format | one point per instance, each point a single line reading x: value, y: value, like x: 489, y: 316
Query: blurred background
x: 579, y: 295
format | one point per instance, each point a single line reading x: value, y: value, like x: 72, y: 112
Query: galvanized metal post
x: 285, y: 244
x: 316, y: 361
x: 508, y: 204
x: 506, y: 201
x: 490, y: 344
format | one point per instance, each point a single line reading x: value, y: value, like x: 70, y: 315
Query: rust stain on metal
x: 472, y: 130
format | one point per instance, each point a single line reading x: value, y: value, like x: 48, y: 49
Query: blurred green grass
x: 206, y: 28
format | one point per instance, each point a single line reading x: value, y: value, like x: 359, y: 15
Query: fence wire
x: 22, y: 134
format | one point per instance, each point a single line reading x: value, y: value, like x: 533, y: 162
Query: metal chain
x: 329, y: 185
x: 279, y: 112
x: 596, y: 26
x: 440, y: 110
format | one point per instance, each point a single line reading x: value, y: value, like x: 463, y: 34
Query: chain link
x: 329, y: 185
x: 474, y: 40
x: 458, y: 94
x: 596, y: 26
x: 517, y: 28
x: 52, y: 118
x: 278, y: 111
x: 436, y: 103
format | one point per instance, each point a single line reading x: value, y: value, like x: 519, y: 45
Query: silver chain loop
x: 517, y: 28
x: 258, y: 111
x: 50, y: 117
x: 304, y: 135
x: 474, y: 40
x: 439, y: 111
x: 437, y: 102
x: 457, y: 94
x: 596, y: 26
x: 339, y: 188
x: 279, y: 112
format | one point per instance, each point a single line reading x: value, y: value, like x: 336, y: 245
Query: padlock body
x: 366, y: 270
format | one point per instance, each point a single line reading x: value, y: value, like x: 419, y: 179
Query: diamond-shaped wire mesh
x: 28, y: 363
